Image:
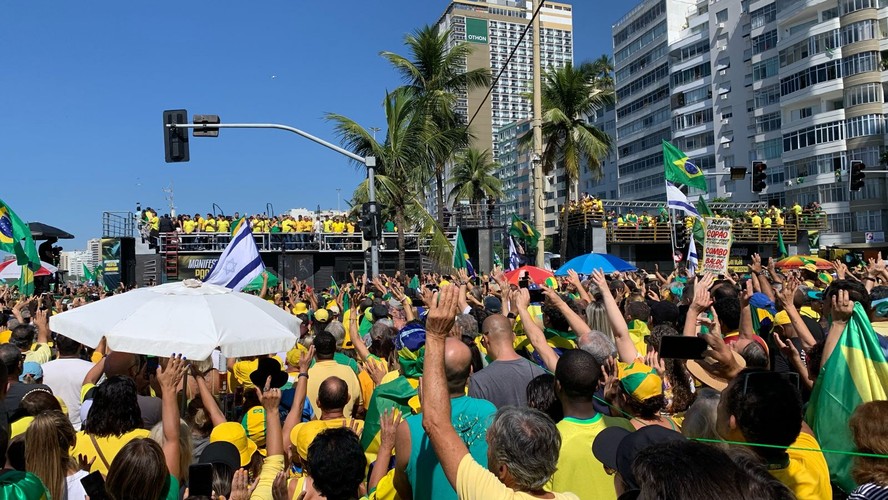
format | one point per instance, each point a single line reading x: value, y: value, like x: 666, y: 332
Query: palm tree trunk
x: 439, y: 192
x: 564, y: 214
x: 402, y: 253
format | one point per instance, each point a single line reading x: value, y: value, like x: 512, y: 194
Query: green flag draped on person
x: 856, y: 372
x: 414, y: 282
x: 680, y: 170
x: 15, y: 238
x: 461, y: 255
x: 522, y: 229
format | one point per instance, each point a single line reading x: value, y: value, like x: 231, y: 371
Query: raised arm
x: 41, y: 319
x: 169, y: 380
x: 295, y: 414
x: 786, y: 297
x: 356, y: 339
x: 448, y: 446
x: 625, y: 348
x: 521, y: 299
x: 842, y: 308
x: 575, y: 280
x: 209, y: 402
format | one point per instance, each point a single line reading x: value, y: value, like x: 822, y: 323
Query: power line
x: 508, y: 61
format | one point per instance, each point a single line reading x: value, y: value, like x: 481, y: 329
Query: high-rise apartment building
x: 493, y: 28
x: 72, y: 262
x: 94, y: 248
x: 795, y: 84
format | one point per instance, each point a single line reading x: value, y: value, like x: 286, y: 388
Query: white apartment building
x: 72, y: 262
x: 94, y: 248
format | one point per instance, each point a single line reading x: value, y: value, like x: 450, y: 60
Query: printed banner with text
x: 717, y: 246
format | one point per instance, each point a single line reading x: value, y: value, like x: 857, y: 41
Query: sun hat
x: 696, y: 367
x: 221, y: 452
x: 300, y: 308
x: 31, y: 368
x: 234, y: 433
x: 639, y: 380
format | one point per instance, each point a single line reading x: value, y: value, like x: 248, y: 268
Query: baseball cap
x: 31, y: 368
x: 379, y: 311
x: 221, y: 452
x: 321, y: 316
x: 493, y: 304
x: 616, y: 447
x: 234, y: 433
x: 639, y: 380
x: 782, y: 318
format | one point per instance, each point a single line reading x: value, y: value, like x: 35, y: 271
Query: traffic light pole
x: 369, y: 162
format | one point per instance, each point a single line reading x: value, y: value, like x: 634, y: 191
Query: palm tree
x: 473, y: 178
x: 569, y: 94
x: 398, y: 179
x: 435, y: 73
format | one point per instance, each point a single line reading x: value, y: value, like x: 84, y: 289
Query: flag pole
x: 672, y: 236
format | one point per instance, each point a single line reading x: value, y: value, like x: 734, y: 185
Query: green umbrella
x: 256, y: 284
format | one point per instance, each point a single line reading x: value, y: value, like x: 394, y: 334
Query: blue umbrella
x: 585, y: 264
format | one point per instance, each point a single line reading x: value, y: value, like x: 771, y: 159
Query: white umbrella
x: 190, y: 317
x: 9, y: 269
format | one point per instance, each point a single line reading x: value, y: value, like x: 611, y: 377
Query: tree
x: 473, y: 179
x: 569, y: 94
x: 436, y: 75
x: 398, y: 177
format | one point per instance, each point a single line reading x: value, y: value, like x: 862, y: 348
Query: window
x: 692, y: 119
x: 810, y: 136
x: 806, y: 112
x: 860, y: 63
x: 642, y: 62
x: 860, y: 31
x: 645, y: 142
x: 640, y: 165
x: 695, y: 141
x: 640, y: 42
x: 869, y: 220
x: 849, y: 6
x: 863, y: 94
x: 838, y: 223
x: 764, y: 42
x: 645, y: 122
x: 763, y: 16
x: 768, y: 150
x: 811, y: 76
x: 640, y: 22
x: 694, y: 50
x: 643, y: 82
x: 764, y: 69
x: 691, y: 96
x: 766, y: 95
x: 829, y: 14
x: 639, y: 104
x: 721, y: 16
x: 822, y: 42
x: 820, y: 164
x: 767, y: 123
x: 690, y: 74
x: 865, y: 125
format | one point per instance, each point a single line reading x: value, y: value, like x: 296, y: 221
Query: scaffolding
x: 118, y: 225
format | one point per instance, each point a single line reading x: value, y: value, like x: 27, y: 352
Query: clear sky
x: 83, y: 86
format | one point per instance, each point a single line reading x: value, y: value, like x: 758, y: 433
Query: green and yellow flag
x: 414, y: 282
x: 522, y: 229
x: 679, y: 168
x: 855, y: 373
x: 781, y: 247
x: 461, y: 255
x: 15, y: 238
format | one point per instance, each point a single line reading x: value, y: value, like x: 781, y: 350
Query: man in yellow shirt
x: 756, y: 220
x: 326, y: 367
x: 332, y: 398
x: 761, y: 406
x: 210, y: 224
x: 223, y: 225
x: 507, y: 454
x: 328, y: 225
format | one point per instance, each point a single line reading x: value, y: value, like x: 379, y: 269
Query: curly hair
x: 336, y: 463
x: 115, y: 408
x: 868, y: 431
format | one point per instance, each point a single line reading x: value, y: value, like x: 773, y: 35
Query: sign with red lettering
x: 717, y: 246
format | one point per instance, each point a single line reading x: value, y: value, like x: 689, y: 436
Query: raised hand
x: 842, y: 307
x: 442, y: 312
x: 756, y: 265
x: 169, y: 378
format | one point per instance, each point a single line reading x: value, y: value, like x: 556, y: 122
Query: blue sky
x: 83, y: 85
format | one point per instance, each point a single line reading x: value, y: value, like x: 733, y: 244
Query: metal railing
x: 277, y: 242
x: 118, y: 224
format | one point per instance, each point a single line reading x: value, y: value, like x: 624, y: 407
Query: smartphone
x: 681, y: 347
x: 94, y: 485
x: 418, y: 302
x: 537, y: 295
x: 523, y: 282
x: 153, y: 363
x: 200, y: 480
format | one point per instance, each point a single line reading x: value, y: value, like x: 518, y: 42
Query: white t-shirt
x: 65, y: 378
x: 75, y: 487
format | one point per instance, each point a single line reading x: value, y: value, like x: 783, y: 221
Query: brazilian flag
x: 856, y: 372
x: 400, y: 393
x: 781, y: 247
x: 15, y: 238
x: 461, y: 255
x: 679, y: 168
x: 522, y: 229
x: 87, y: 274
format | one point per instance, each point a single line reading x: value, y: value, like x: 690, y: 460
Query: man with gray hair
x: 523, y: 443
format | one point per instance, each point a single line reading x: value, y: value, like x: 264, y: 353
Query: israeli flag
x: 240, y: 263
x: 692, y: 256
x: 677, y: 200
x: 514, y: 258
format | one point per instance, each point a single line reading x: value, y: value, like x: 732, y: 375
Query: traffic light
x: 371, y: 223
x: 759, y: 177
x: 206, y: 120
x: 857, y: 175
x: 175, y: 140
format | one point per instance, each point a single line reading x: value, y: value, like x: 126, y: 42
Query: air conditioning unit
x: 724, y: 97
x: 721, y: 25
x: 723, y: 47
x: 722, y: 72
x: 726, y: 121
x: 726, y: 145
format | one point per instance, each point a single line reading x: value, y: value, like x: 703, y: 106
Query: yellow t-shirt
x: 109, y: 445
x: 321, y: 371
x: 578, y: 470
x: 39, y: 353
x: 210, y: 226
x: 304, y: 434
x: 338, y: 227
x: 188, y: 226
x: 5, y: 336
x: 807, y: 474
x: 756, y: 221
x: 223, y: 226
x: 328, y: 226
x: 155, y: 222
x: 476, y: 482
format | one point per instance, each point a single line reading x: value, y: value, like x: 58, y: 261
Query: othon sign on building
x: 476, y: 30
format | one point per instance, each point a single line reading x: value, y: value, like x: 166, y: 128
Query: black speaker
x: 128, y: 261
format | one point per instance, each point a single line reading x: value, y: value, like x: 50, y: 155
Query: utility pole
x: 539, y: 197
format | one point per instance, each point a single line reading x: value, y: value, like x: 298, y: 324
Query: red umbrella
x: 10, y: 270
x: 537, y: 275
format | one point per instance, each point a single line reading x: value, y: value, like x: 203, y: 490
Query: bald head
x: 457, y: 365
x: 498, y: 329
x: 121, y: 363
x: 332, y: 394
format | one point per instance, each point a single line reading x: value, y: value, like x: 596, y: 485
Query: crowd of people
x: 437, y: 387
x: 590, y: 207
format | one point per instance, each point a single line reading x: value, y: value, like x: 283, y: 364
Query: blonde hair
x: 870, y: 435
x: 186, y: 447
x: 49, y: 437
